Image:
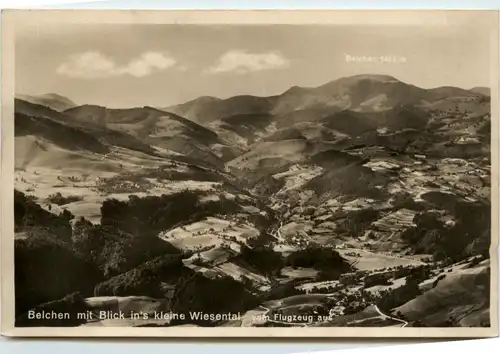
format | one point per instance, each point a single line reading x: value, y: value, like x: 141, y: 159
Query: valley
x: 362, y: 202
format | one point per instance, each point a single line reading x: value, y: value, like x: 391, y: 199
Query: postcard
x: 249, y: 173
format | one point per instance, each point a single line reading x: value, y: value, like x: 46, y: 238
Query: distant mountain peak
x: 87, y: 106
x: 51, y: 100
x: 374, y: 77
x: 204, y: 99
x: 54, y: 95
x: 483, y: 90
x: 357, y: 79
x: 294, y: 90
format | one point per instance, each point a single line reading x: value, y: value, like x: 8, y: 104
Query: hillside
x: 37, y: 110
x: 158, y: 128
x: 462, y: 295
x: 243, y: 130
x: 207, y: 109
x: 270, y: 157
x: 46, y: 138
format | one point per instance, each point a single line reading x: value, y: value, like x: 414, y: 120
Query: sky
x: 129, y: 65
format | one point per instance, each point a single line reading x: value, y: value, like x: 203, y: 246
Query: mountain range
x: 361, y: 93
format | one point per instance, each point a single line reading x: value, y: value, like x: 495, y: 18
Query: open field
x: 208, y: 232
x: 372, y: 261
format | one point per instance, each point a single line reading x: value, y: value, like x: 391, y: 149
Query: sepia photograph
x: 246, y: 173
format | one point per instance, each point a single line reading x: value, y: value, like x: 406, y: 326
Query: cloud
x: 147, y: 63
x: 88, y: 65
x: 241, y: 62
x: 94, y: 65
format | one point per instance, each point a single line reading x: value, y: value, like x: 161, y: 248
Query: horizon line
x: 16, y: 94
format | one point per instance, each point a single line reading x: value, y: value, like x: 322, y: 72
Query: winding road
x: 391, y: 318
x: 277, y: 234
